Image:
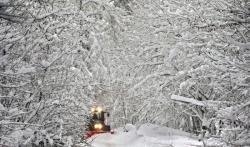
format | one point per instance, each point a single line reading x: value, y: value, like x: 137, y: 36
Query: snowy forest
x: 183, y: 64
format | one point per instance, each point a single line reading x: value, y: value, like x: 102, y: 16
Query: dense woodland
x: 179, y: 63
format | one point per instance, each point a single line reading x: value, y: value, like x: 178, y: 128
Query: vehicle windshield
x: 98, y: 116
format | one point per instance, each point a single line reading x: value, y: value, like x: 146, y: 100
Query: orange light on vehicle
x: 92, y: 109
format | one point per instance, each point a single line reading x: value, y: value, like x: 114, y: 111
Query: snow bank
x: 148, y: 135
x: 130, y: 127
x: 159, y: 131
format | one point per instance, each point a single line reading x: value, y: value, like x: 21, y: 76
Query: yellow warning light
x: 92, y: 109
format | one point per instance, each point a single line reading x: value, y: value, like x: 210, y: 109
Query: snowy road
x: 146, y: 136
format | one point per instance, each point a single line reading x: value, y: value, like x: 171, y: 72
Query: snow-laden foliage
x: 169, y: 58
x: 233, y: 112
x: 189, y: 50
x: 53, y: 68
x: 58, y: 58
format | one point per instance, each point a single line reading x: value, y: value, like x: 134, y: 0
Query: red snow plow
x: 97, y: 122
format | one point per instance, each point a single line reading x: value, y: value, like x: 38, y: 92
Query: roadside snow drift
x: 148, y: 135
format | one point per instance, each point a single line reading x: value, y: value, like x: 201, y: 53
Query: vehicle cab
x: 97, y: 122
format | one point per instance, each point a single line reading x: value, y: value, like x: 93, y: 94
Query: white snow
x: 19, y: 134
x: 183, y: 85
x: 25, y: 70
x: 173, y: 53
x: 56, y: 102
x: 2, y: 107
x: 49, y: 139
x: 45, y: 63
x: 187, y: 100
x: 8, y: 71
x: 148, y: 135
x: 130, y: 127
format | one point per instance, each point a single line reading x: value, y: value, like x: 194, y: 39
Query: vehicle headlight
x: 99, y: 109
x: 98, y: 126
x: 95, y: 126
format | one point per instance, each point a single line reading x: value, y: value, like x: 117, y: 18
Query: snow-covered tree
x: 170, y: 49
x: 182, y: 53
x: 232, y: 66
x: 53, y: 68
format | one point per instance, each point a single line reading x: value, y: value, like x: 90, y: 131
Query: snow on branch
x: 241, y: 45
x: 243, y: 106
x: 2, y: 107
x: 4, y: 122
x: 242, y: 142
x: 149, y: 48
x: 92, y: 1
x: 25, y: 70
x: 164, y: 73
x: 47, y: 14
x: 9, y: 86
x: 149, y: 63
x: 187, y: 100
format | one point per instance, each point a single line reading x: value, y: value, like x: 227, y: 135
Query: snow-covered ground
x: 148, y: 135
